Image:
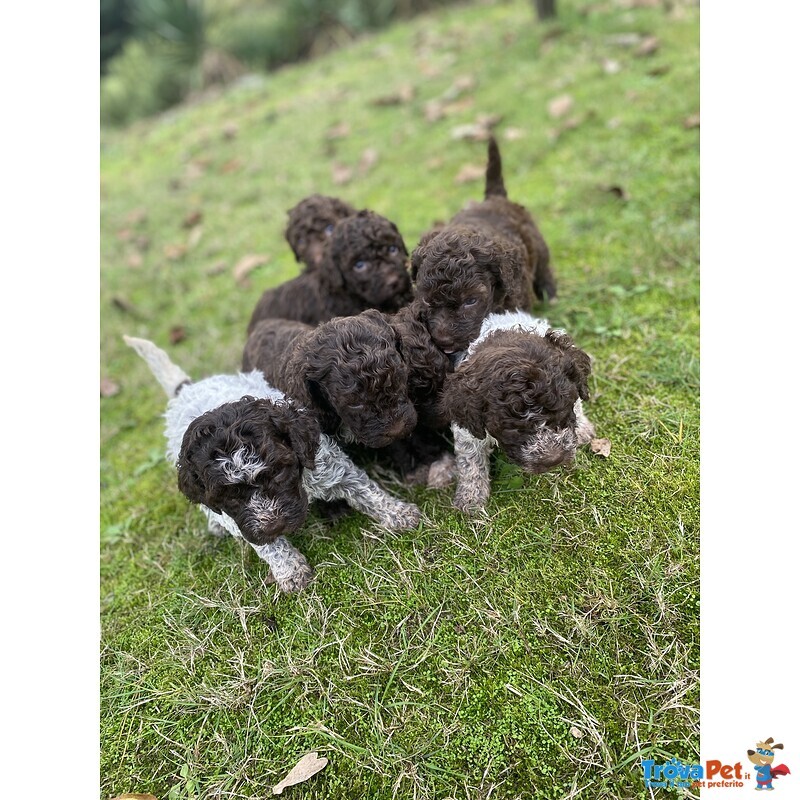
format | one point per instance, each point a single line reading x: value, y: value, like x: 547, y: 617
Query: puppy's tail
x: 171, y: 377
x: 494, y: 172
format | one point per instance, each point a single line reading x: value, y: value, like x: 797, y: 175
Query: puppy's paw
x: 403, y: 517
x: 442, y: 472
x: 470, y: 499
x: 297, y: 580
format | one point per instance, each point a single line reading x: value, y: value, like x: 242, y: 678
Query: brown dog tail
x: 171, y: 377
x: 494, y: 172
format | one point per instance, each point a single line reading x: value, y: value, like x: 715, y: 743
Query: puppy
x: 311, y: 224
x: 348, y: 372
x: 363, y: 266
x: 490, y: 257
x: 519, y: 386
x: 252, y: 461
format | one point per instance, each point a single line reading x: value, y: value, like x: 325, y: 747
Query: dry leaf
x: 175, y: 252
x: 692, y: 122
x: 470, y: 172
x: 404, y: 94
x: 369, y: 158
x: 616, y: 190
x: 134, y: 797
x: 341, y: 174
x: 657, y: 72
x: 309, y: 765
x: 559, y: 106
x: 576, y: 732
x: 245, y: 265
x: 192, y: 218
x: 234, y: 165
x: 513, y: 134
x: 135, y: 260
x: 648, y: 46
x: 602, y: 447
x: 177, y: 333
x: 337, y: 131
x: 108, y: 388
x: 124, y: 234
x: 124, y: 305
x: 217, y: 269
x: 434, y: 111
x: 474, y: 132
x: 230, y: 130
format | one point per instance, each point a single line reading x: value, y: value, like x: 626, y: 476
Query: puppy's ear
x: 462, y: 402
x: 579, y: 366
x: 302, y: 431
x: 191, y: 481
x: 506, y: 265
x: 334, y: 260
x: 421, y: 250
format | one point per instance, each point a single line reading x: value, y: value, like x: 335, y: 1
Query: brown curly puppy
x: 310, y: 226
x: 490, y: 257
x: 348, y: 372
x: 363, y: 266
x: 519, y: 387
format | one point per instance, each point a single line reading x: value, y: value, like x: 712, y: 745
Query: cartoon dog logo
x: 762, y: 757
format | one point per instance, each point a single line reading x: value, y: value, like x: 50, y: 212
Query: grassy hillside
x: 541, y: 652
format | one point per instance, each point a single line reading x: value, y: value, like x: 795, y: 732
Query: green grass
x: 458, y: 660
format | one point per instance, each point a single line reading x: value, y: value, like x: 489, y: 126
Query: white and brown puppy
x: 252, y: 460
x: 519, y: 386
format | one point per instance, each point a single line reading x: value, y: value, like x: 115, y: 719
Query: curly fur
x: 490, y: 257
x: 519, y: 387
x: 363, y: 266
x: 310, y: 226
x: 252, y: 461
x: 349, y: 372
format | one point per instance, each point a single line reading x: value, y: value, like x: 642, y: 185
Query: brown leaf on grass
x: 405, y: 94
x: 470, y: 172
x: 434, y: 111
x: 193, y: 239
x: 576, y: 732
x: 137, y: 216
x: 616, y: 190
x: 134, y: 797
x: 125, y: 306
x: 369, y: 158
x: 216, y: 269
x: 559, y: 106
x: 309, y: 765
x: 245, y: 265
x: 341, y: 174
x: 232, y: 165
x: 474, y: 132
x: 177, y: 333
x: 196, y: 168
x: 175, y: 252
x: 124, y: 234
x: 657, y: 72
x: 601, y: 447
x: 648, y: 46
x: 230, y: 130
x: 134, y: 260
x: 692, y: 121
x: 338, y: 131
x: 108, y: 388
x: 192, y: 218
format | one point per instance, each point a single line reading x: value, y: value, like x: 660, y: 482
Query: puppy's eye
x: 328, y: 230
x: 360, y: 266
x: 393, y: 250
x: 470, y: 301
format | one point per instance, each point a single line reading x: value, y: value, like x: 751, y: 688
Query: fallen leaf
x: 576, y: 732
x: 602, y: 447
x: 434, y: 111
x: 513, y: 134
x: 194, y: 236
x: 474, y: 132
x: 661, y: 69
x: 192, y: 218
x: 616, y: 190
x: 470, y: 172
x: 230, y: 130
x: 124, y: 234
x: 341, y: 174
x: 175, y: 252
x: 692, y: 121
x: 339, y: 131
x: 135, y: 260
x: 559, y: 106
x: 369, y: 158
x: 245, y: 265
x: 233, y: 165
x: 648, y: 46
x: 108, y: 388
x: 124, y: 305
x: 310, y: 764
x: 177, y: 333
x: 404, y: 94
x: 217, y: 269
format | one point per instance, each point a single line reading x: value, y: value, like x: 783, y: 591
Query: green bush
x: 143, y: 80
